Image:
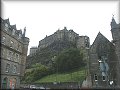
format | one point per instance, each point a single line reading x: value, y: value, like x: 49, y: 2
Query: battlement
x: 59, y: 35
x: 62, y: 35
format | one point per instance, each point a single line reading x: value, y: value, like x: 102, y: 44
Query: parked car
x: 32, y: 86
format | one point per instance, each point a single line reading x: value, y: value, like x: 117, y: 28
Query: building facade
x: 104, y: 60
x: 115, y: 30
x: 14, y: 46
x: 83, y: 42
x: 33, y: 50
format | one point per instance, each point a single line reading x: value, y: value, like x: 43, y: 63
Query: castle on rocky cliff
x: 62, y: 35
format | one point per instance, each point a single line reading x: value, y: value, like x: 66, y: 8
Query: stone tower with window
x: 115, y: 30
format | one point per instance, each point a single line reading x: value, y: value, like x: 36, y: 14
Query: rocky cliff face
x: 52, y: 45
x: 45, y: 55
x: 61, y: 35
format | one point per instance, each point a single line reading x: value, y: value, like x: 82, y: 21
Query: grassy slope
x: 74, y: 76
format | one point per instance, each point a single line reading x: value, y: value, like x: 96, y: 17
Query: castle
x: 62, y: 35
x: 102, y: 57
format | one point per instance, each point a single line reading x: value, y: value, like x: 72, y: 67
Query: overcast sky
x: 43, y: 18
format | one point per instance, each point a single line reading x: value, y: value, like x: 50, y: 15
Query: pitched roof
x: 100, y: 38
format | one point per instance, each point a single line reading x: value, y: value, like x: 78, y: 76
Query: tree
x: 68, y: 60
x: 36, y: 72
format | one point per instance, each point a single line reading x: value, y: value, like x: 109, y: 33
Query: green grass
x: 74, y: 76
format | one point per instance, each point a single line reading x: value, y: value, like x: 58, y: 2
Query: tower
x: 115, y: 30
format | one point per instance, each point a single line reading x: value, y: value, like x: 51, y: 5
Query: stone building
x: 62, y: 35
x: 115, y: 30
x: 33, y: 50
x: 14, y: 46
x: 83, y: 42
x: 59, y: 35
x: 102, y: 62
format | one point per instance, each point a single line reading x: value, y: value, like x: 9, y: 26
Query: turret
x: 25, y: 49
x: 24, y: 32
x: 113, y: 23
x: 115, y: 30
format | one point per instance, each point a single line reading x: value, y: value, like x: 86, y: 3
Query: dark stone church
x: 104, y: 60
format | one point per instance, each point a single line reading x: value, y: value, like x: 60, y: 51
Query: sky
x: 43, y: 18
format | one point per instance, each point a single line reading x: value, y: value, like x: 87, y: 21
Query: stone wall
x: 115, y: 30
x: 14, y: 46
x: 62, y: 35
x: 102, y: 47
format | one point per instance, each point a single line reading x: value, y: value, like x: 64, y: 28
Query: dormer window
x: 13, y: 32
x: 3, y: 40
x: 20, y: 36
x: 6, y: 26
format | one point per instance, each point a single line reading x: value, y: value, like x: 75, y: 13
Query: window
x: 6, y: 26
x: 18, y: 47
x: 3, y: 40
x: 2, y: 52
x: 85, y: 37
x: 14, y: 69
x: 4, y: 83
x: 10, y: 55
x: 103, y: 78
x: 13, y: 32
x: 17, y: 57
x: 11, y: 44
x: 95, y: 77
x: 7, y: 68
x: 20, y: 36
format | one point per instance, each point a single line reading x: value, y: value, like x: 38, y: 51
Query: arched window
x: 13, y: 83
x: 7, y: 68
x: 14, y: 69
x: 4, y: 83
x: 103, y: 78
